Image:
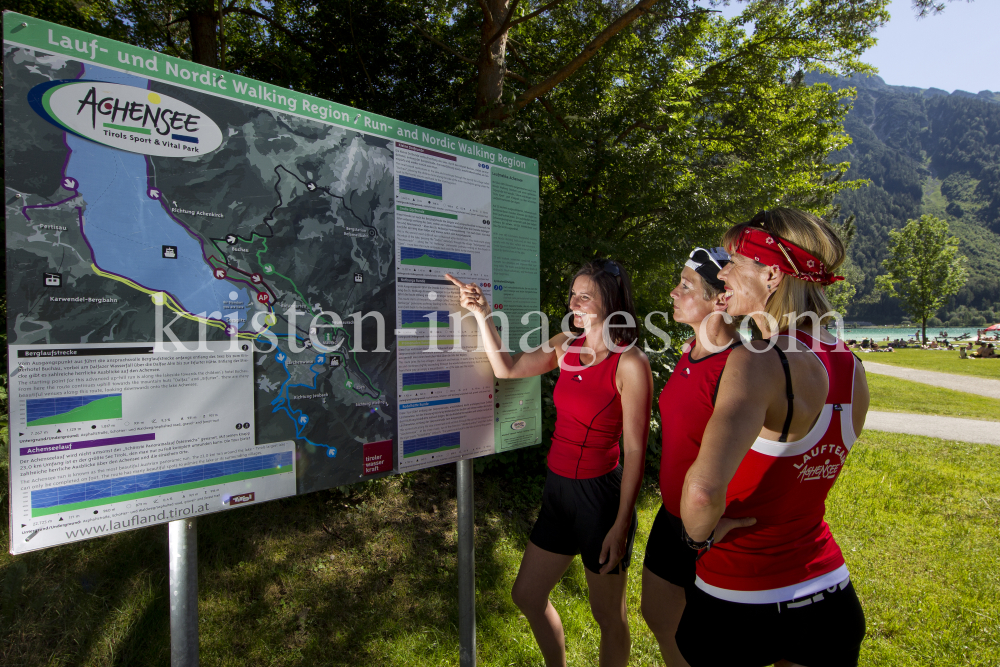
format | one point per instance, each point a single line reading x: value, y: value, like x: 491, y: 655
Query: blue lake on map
x: 127, y: 229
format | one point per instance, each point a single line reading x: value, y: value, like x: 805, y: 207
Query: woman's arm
x: 505, y: 365
x: 636, y: 382
x: 861, y: 399
x: 748, y: 386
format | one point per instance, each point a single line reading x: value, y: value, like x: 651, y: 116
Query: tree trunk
x: 203, y: 19
x: 491, y: 63
x: 924, y: 324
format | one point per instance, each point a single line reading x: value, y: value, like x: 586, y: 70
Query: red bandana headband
x: 771, y: 249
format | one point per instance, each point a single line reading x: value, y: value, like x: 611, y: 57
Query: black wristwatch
x: 700, y: 547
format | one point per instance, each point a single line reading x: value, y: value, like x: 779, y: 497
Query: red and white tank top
x: 588, y: 417
x: 790, y: 551
x: 686, y: 404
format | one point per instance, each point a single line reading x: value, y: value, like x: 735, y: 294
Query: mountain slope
x: 924, y: 151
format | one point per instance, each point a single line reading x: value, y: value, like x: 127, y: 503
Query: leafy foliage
x: 924, y: 267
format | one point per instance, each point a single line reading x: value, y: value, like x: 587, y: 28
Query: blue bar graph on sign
x: 420, y: 187
x: 424, y: 319
x: 90, y: 494
x: 426, y: 380
x: 431, y: 444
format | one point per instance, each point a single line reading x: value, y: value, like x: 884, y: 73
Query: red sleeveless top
x: 790, y: 551
x: 588, y: 417
x: 686, y: 404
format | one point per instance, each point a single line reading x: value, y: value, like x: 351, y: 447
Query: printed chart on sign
x: 445, y: 389
x: 110, y: 437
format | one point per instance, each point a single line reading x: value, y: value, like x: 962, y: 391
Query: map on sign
x: 223, y: 292
x: 286, y: 223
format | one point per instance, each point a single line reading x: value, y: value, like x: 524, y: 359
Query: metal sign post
x: 466, y: 568
x: 183, y: 555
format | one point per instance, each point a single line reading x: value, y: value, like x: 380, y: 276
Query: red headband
x: 771, y: 249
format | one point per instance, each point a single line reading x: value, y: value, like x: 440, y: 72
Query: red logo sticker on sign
x: 241, y: 498
x: 378, y: 457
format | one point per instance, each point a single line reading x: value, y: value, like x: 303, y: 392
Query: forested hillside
x: 924, y: 151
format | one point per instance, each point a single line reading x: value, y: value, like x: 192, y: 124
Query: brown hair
x: 813, y: 235
x: 616, y: 296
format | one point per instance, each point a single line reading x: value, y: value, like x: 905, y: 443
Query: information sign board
x: 259, y: 270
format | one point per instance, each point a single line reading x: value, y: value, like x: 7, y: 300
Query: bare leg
x: 540, y: 572
x: 607, y: 603
x: 662, y: 608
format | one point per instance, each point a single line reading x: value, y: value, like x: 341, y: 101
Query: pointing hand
x: 470, y: 296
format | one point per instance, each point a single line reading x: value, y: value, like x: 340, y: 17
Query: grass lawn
x: 369, y: 578
x: 917, y: 521
x: 890, y: 394
x: 936, y: 360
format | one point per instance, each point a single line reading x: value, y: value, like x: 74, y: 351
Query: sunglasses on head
x: 610, y: 266
x: 714, y: 256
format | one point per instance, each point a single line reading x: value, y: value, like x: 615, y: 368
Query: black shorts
x: 667, y: 555
x: 576, y: 516
x: 821, y: 630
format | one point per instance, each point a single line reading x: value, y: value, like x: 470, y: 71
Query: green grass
x: 893, y: 395
x: 943, y: 361
x: 917, y: 521
x: 369, y: 578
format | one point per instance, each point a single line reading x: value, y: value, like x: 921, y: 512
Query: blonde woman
x: 788, y: 411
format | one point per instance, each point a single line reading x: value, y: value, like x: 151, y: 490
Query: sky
x: 956, y: 50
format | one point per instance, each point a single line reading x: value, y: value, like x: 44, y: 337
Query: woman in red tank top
x: 686, y: 404
x: 603, y: 396
x: 788, y: 410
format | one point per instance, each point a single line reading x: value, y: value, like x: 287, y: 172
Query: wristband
x: 700, y: 547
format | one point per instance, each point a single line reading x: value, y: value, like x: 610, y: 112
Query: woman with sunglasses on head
x: 788, y: 411
x: 686, y: 404
x: 603, y: 396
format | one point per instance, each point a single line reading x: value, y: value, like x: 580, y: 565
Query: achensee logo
x: 125, y: 117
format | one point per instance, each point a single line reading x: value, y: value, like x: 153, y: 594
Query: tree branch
x: 548, y: 107
x: 516, y: 77
x: 350, y: 14
x: 540, y: 10
x: 271, y: 22
x: 588, y: 52
x: 426, y: 35
x: 503, y: 26
x: 640, y: 125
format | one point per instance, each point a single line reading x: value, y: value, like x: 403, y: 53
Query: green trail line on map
x: 103, y: 408
x: 424, y: 260
x: 269, y: 270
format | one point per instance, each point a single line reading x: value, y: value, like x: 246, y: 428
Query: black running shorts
x: 824, y: 629
x: 576, y: 516
x: 667, y: 555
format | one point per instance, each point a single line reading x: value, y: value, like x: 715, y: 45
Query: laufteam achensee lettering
x: 825, y: 470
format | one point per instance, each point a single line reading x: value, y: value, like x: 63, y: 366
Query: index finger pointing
x: 454, y: 280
